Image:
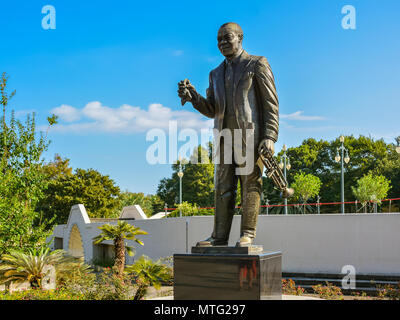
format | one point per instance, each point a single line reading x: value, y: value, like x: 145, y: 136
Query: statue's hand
x: 268, y: 144
x: 186, y: 91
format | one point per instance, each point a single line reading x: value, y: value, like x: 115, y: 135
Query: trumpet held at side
x: 275, y: 173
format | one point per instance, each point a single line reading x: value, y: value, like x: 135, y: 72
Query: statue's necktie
x: 229, y: 89
x: 229, y: 72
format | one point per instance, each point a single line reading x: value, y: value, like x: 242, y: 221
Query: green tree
x: 318, y: 158
x: 389, y: 167
x: 97, y: 192
x: 57, y: 168
x: 149, y: 273
x: 197, y: 181
x: 118, y: 234
x: 151, y: 204
x: 189, y: 209
x: 22, y: 181
x: 305, y: 187
x: 371, y: 188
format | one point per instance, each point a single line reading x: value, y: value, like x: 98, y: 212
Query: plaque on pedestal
x: 228, y: 273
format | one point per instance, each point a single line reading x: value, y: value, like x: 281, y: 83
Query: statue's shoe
x: 211, y: 242
x: 244, y: 241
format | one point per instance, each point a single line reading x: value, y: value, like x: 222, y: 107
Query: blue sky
x: 108, y: 58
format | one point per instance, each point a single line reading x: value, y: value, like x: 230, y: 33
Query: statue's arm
x: 205, y: 105
x: 269, y: 99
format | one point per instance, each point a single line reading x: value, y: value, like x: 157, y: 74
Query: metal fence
x: 386, y: 205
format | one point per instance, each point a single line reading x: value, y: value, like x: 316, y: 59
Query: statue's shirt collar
x: 235, y: 60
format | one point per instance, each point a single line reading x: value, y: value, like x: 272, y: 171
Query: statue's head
x: 230, y: 36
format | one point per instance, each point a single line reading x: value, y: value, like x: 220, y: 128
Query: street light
x: 285, y: 165
x: 342, y: 158
x: 180, y: 175
x: 398, y: 144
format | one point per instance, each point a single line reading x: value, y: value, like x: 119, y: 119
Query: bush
x: 106, y: 285
x: 149, y: 273
x: 389, y: 292
x: 360, y: 295
x: 289, y: 287
x: 39, y: 294
x: 189, y: 209
x: 329, y: 292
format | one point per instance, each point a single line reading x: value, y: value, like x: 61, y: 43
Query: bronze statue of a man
x: 241, y: 95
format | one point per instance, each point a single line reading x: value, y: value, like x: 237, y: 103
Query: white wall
x: 309, y: 243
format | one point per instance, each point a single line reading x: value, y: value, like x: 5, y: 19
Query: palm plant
x: 118, y: 233
x: 148, y: 273
x: 72, y: 270
x: 19, y: 267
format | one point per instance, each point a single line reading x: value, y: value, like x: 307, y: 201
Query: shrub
x: 107, y: 285
x: 388, y: 291
x: 189, y: 209
x: 39, y: 294
x: 360, y: 295
x: 329, y: 292
x: 148, y: 273
x: 289, y: 287
x: 30, y: 266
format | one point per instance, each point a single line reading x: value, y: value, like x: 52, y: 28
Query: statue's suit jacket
x: 254, y: 96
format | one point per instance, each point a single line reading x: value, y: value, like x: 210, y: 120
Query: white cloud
x: 95, y: 117
x: 298, y: 115
x: 67, y: 113
x: 24, y: 113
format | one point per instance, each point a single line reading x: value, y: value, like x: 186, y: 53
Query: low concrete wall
x: 309, y: 243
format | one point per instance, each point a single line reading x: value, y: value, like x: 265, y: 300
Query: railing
x: 387, y: 205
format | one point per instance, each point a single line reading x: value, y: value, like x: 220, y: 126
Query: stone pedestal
x: 228, y: 273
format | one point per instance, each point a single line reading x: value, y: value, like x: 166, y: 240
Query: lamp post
x: 398, y: 145
x: 285, y: 165
x: 341, y: 158
x: 180, y: 175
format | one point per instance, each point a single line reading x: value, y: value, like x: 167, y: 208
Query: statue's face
x: 229, y: 42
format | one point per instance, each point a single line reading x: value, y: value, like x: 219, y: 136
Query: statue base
x: 228, y: 273
x: 228, y: 250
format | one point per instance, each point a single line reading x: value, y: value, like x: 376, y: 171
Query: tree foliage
x: 151, y: 204
x: 372, y: 188
x: 305, y: 186
x: 97, y: 192
x: 189, y: 209
x: 197, y: 181
x: 316, y: 157
x: 366, y: 154
x: 22, y: 181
